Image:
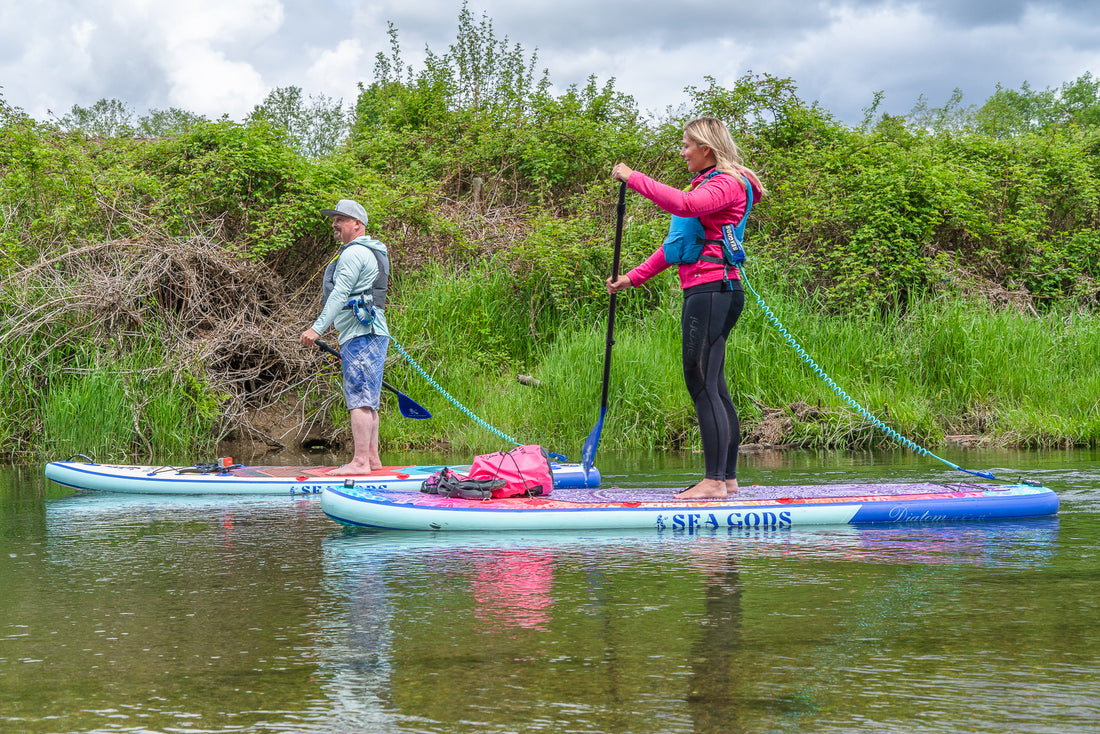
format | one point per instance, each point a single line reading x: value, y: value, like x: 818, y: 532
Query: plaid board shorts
x: 363, y: 358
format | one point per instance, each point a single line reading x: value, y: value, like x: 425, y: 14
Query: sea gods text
x: 712, y: 520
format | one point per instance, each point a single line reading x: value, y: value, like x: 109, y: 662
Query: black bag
x: 447, y: 483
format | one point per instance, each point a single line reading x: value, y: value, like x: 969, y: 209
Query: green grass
x: 947, y: 366
x: 950, y: 366
x: 112, y: 407
x: 89, y: 413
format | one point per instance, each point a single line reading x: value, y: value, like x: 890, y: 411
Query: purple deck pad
x: 754, y: 492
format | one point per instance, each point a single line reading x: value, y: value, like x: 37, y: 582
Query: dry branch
x: 221, y: 318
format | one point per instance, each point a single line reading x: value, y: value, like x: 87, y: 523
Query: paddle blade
x: 588, y: 451
x: 410, y: 408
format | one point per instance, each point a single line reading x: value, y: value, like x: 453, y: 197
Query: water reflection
x: 1019, y: 543
x: 1010, y: 543
x: 513, y: 589
x: 592, y: 623
x: 715, y: 694
x: 152, y: 611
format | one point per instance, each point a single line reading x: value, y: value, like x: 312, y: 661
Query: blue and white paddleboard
x: 266, y: 480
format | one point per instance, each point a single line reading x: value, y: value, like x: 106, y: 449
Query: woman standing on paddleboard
x: 713, y: 294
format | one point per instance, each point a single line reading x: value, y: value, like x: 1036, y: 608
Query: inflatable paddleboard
x: 269, y: 480
x: 655, y: 509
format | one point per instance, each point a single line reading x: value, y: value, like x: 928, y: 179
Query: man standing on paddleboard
x: 354, y: 297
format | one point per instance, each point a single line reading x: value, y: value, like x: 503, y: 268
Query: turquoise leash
x: 469, y: 413
x: 874, y: 420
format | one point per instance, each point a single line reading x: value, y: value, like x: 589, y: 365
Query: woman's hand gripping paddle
x: 408, y: 407
x: 588, y: 452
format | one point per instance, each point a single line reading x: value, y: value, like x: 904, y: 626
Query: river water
x: 159, y: 614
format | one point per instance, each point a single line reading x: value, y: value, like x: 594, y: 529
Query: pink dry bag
x: 525, y: 470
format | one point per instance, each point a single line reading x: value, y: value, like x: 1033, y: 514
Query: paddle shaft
x: 326, y: 348
x: 588, y: 451
x: 620, y: 213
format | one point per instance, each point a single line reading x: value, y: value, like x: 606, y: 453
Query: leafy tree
x: 483, y: 72
x: 316, y: 128
x: 762, y: 104
x: 1010, y: 113
x: 8, y: 112
x: 107, y: 118
x: 1081, y: 100
x: 167, y: 123
x: 112, y: 118
x: 479, y: 110
x: 952, y: 117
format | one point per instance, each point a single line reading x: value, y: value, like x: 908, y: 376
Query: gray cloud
x: 217, y: 57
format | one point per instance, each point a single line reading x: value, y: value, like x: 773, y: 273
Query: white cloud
x: 81, y: 34
x: 202, y: 49
x: 861, y: 51
x: 204, y: 81
x: 336, y: 71
x: 239, y: 23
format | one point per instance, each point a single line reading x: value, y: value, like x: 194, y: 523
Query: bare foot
x: 708, y: 489
x: 350, y: 469
x: 731, y: 486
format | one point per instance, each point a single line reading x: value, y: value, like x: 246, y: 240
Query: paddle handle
x: 620, y: 214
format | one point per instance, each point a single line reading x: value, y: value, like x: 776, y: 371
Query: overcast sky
x: 218, y: 57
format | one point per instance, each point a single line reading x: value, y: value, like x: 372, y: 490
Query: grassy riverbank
x: 948, y: 366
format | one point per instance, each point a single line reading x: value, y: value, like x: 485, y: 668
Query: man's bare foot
x: 731, y: 486
x: 352, y: 468
x: 708, y: 489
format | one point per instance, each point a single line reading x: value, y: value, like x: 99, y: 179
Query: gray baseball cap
x: 348, y: 208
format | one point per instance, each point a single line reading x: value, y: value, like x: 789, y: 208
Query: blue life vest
x: 686, y: 237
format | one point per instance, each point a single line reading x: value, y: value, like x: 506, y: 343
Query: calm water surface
x: 157, y: 614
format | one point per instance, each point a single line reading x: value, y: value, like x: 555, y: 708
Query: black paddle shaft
x: 326, y: 348
x: 620, y: 213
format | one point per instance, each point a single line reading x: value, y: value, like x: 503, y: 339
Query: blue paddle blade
x: 588, y: 451
x: 411, y: 409
x: 408, y: 407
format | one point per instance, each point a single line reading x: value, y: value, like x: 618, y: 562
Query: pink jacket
x: 721, y: 200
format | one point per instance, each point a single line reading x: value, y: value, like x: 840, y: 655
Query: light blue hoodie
x: 353, y: 271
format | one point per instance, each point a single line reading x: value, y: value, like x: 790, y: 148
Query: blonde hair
x: 713, y: 133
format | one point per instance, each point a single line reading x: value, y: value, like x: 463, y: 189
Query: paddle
x: 408, y: 407
x: 588, y: 452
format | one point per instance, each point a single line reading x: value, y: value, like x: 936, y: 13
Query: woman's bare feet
x: 731, y: 486
x: 708, y: 489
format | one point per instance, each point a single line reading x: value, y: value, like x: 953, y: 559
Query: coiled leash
x: 874, y: 420
x: 466, y: 411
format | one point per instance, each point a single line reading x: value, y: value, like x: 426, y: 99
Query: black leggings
x: 707, y: 318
